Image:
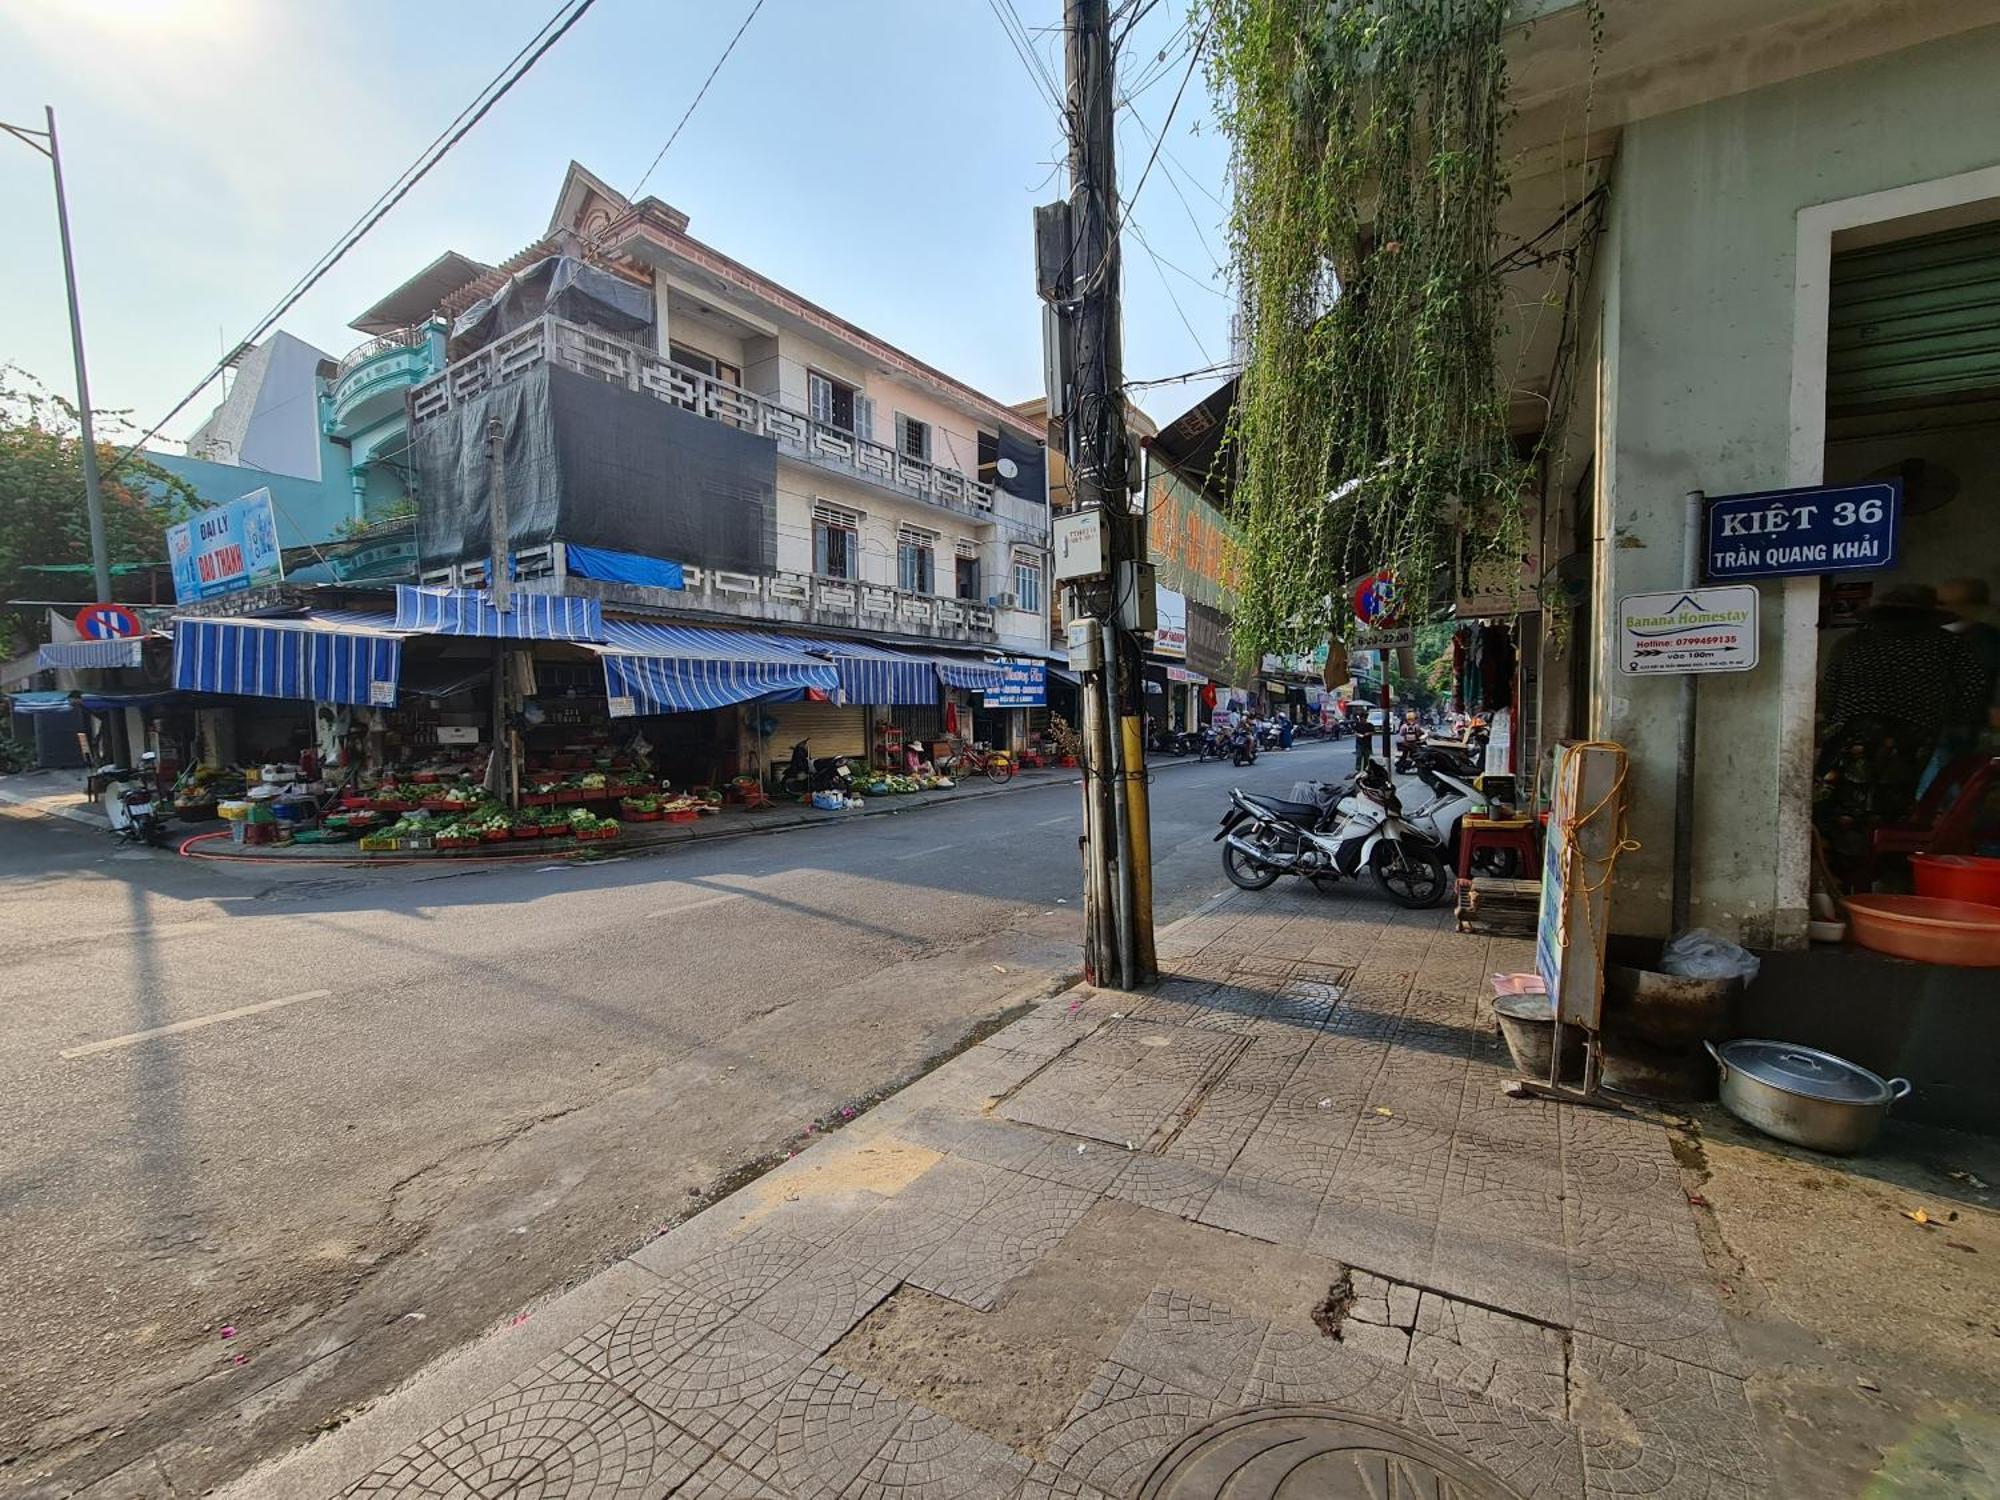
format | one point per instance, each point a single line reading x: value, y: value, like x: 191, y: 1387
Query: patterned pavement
x: 1517, y: 1302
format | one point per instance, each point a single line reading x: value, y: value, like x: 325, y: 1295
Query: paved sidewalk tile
x: 1314, y: 1090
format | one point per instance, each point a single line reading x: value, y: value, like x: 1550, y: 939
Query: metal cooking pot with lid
x: 1805, y: 1096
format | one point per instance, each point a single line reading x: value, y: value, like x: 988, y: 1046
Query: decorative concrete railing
x: 588, y: 352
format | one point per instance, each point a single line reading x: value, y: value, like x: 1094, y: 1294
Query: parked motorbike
x: 139, y: 813
x: 1452, y: 756
x: 1349, y: 828
x: 1270, y: 735
x: 804, y: 775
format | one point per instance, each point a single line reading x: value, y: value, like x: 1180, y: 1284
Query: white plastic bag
x: 1701, y: 954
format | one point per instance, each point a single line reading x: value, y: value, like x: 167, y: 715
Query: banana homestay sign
x: 1688, y: 630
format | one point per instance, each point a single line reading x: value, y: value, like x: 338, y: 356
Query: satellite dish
x: 1008, y: 469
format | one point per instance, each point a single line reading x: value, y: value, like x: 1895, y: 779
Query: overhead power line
x: 552, y: 31
x: 1024, y: 49
x: 700, y: 92
x: 1194, y: 58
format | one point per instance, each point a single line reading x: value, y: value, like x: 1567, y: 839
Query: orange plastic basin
x: 1957, y: 877
x: 1927, y: 928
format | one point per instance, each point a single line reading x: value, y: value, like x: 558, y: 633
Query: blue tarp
x: 532, y: 617
x: 335, y: 657
x: 58, y: 702
x: 623, y: 567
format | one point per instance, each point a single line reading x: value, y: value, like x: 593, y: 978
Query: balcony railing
x: 782, y: 598
x: 588, y: 352
x: 402, y: 338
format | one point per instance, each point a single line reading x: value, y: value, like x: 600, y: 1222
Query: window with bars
x: 1028, y: 583
x: 916, y: 560
x: 836, y: 541
x: 913, y: 438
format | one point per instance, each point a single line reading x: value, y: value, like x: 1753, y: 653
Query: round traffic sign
x: 107, y: 622
x: 1376, y: 601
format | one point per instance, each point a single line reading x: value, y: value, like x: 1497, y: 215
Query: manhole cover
x: 1315, y: 1453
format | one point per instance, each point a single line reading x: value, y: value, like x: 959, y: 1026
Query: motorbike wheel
x: 1244, y: 872
x: 1000, y: 771
x: 1409, y: 875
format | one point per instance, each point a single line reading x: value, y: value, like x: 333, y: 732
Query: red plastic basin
x: 1927, y: 928
x: 1957, y: 877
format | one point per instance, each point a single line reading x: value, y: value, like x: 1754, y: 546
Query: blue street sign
x: 1784, y: 533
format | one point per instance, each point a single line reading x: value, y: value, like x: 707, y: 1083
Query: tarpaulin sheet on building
x: 612, y: 566
x: 529, y: 617
x: 331, y: 657
x: 595, y: 465
x: 559, y: 286
x: 652, y: 667
x: 126, y: 652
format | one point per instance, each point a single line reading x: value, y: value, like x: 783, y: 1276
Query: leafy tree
x: 43, y: 518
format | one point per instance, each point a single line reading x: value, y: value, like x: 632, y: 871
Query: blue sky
x: 878, y: 156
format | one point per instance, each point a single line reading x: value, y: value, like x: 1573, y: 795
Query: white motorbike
x: 1348, y: 829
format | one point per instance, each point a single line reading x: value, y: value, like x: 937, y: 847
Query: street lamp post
x: 45, y: 142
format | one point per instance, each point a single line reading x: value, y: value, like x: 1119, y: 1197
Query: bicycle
x: 997, y: 764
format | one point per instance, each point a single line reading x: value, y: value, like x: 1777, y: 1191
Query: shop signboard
x: 1688, y: 630
x: 1170, y: 629
x: 227, y: 550
x: 1195, y: 549
x: 1182, y: 674
x: 1787, y: 533
x: 1025, y: 685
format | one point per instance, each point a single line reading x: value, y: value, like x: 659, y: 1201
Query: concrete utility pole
x: 45, y: 142
x: 1106, y: 609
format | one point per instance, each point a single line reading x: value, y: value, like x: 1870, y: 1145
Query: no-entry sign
x: 107, y: 622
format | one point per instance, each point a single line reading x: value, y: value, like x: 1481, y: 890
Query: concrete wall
x: 307, y: 510
x: 1696, y: 391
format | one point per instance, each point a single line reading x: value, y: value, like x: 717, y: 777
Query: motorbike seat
x: 1285, y: 809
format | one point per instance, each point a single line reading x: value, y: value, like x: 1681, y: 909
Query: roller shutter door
x: 1915, y: 321
x: 832, y: 729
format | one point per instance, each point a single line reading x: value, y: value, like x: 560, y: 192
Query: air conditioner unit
x: 1004, y: 601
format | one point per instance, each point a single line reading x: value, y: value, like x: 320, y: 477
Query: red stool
x: 1481, y: 835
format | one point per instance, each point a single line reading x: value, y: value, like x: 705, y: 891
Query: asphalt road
x: 278, y: 1137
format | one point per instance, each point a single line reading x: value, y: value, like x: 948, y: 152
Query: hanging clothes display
x: 1497, y: 661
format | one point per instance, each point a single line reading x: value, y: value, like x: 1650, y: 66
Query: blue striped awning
x: 126, y: 652
x: 979, y: 676
x: 656, y: 668
x: 354, y: 658
x: 530, y: 617
x: 873, y: 674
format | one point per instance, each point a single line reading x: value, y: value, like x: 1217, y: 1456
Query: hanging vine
x: 1368, y: 179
